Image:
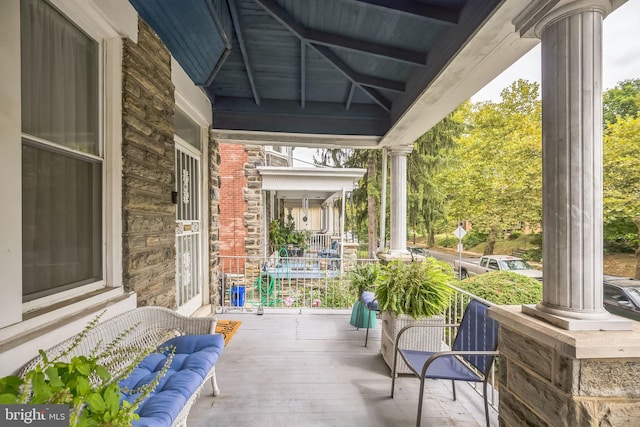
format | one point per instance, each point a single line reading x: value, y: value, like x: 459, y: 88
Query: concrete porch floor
x: 312, y: 369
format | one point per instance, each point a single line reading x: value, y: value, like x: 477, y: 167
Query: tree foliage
x: 621, y: 172
x: 621, y: 101
x: 496, y: 176
x: 430, y: 156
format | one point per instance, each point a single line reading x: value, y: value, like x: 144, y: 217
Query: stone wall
x: 214, y: 221
x: 551, y: 377
x: 241, y: 208
x: 253, y: 218
x: 148, y: 153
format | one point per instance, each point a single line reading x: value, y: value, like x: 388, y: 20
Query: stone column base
x: 549, y: 376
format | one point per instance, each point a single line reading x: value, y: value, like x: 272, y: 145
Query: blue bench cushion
x: 369, y: 300
x: 194, y: 357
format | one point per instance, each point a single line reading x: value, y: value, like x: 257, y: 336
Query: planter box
x: 424, y: 339
x: 364, y: 315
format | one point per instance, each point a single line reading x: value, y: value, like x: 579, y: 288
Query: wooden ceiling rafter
x: 367, y: 84
x: 235, y: 19
x: 436, y: 13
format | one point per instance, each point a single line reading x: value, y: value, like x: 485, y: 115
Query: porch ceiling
x: 350, y: 73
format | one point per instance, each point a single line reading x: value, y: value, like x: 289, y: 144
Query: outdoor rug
x: 227, y: 328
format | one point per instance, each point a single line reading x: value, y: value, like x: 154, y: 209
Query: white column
x: 399, y: 199
x: 383, y: 202
x: 572, y: 163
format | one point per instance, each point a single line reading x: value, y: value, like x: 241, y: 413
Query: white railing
x: 319, y: 242
x: 286, y: 282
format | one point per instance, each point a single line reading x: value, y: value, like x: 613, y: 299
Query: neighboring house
x: 110, y: 194
x: 258, y: 184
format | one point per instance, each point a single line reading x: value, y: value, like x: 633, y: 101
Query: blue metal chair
x: 470, y: 359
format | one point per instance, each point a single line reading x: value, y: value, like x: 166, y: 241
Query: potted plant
x: 408, y: 293
x: 284, y: 235
x: 363, y: 277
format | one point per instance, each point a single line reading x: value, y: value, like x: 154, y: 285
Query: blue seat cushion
x: 369, y: 300
x: 193, y: 359
x: 445, y: 367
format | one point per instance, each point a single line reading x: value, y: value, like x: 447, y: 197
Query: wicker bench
x: 197, y: 349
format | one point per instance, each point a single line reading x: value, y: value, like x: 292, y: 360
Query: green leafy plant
x: 283, y: 233
x: 363, y: 277
x: 419, y: 289
x: 504, y: 287
x: 84, y: 382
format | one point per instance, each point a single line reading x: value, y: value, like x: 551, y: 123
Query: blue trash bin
x: 237, y: 296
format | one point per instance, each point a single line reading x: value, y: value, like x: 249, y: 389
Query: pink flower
x: 288, y: 301
x: 316, y: 302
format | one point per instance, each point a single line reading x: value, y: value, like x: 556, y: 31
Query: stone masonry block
x: 566, y: 374
x: 610, y: 377
x: 526, y: 352
x: 540, y: 395
x: 514, y: 412
x: 618, y: 413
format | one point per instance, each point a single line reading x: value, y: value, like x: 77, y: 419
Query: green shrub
x: 534, y: 254
x: 514, y: 235
x: 473, y: 239
x: 447, y: 242
x: 504, y: 288
x: 536, y: 239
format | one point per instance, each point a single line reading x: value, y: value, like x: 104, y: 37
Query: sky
x: 620, y: 61
x: 620, y: 55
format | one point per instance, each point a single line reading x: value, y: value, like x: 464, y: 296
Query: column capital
x: 400, y: 150
x: 540, y: 14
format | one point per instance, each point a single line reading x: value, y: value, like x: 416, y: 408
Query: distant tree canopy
x: 495, y: 178
x: 621, y: 101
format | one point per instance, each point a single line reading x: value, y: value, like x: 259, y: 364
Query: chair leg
x: 393, y: 370
x: 453, y: 385
x: 419, y: 419
x: 486, y: 402
x: 366, y: 337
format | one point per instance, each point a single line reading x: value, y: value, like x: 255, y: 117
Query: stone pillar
x: 399, y: 199
x: 553, y: 377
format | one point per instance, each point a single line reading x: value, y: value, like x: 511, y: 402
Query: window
x: 187, y: 129
x: 61, y: 153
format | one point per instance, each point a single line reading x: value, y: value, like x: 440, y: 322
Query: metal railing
x: 281, y: 281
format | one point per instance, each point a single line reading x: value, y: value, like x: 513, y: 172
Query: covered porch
x: 309, y: 368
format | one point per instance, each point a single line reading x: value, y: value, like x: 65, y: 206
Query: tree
x: 621, y: 172
x: 430, y: 155
x: 496, y: 176
x: 621, y: 101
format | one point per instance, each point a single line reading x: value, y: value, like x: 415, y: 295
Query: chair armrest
x: 439, y: 354
x: 435, y: 325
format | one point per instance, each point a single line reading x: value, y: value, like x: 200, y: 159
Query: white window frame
x: 110, y: 142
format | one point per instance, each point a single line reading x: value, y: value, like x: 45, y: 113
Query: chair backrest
x: 477, y: 332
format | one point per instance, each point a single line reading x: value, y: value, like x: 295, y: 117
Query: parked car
x: 418, y: 250
x: 622, y: 296
x: 489, y: 263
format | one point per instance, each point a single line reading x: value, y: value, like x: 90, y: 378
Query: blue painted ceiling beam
x: 436, y: 13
